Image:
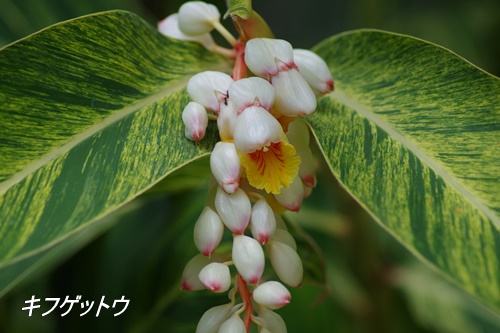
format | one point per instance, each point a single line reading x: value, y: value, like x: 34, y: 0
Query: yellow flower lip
x: 272, y: 167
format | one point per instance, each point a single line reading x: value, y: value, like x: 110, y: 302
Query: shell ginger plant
x: 99, y: 113
x: 263, y: 159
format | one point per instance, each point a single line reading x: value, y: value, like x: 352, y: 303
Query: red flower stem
x: 246, y: 297
x: 240, y: 67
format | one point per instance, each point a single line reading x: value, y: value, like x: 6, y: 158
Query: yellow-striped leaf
x: 89, y: 118
x: 240, y: 8
x: 413, y: 133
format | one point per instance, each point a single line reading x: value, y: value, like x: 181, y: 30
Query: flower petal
x: 271, y: 168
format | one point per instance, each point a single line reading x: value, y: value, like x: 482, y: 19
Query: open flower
x: 270, y: 162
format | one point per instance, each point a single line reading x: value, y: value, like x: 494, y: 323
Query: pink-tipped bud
x: 195, y: 118
x: 209, y: 89
x: 213, y: 318
x: 252, y: 91
x: 255, y: 129
x: 197, y: 17
x: 283, y: 236
x: 263, y: 223
x: 190, y: 279
x: 208, y: 231
x: 298, y: 136
x: 233, y: 325
x: 286, y: 263
x: 170, y: 27
x: 215, y: 277
x: 272, y: 295
x: 294, y: 97
x: 291, y: 197
x: 225, y: 166
x: 234, y: 209
x: 314, y: 69
x: 248, y: 258
x: 265, y: 57
x: 226, y: 120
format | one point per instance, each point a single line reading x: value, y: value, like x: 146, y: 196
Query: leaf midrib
x: 339, y: 95
x: 117, y: 116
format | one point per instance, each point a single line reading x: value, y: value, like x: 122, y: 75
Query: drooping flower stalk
x: 261, y: 167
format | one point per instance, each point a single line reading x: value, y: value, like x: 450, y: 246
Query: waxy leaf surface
x: 90, y: 115
x: 412, y: 131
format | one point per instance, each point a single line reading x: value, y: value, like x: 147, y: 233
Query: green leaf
x: 412, y: 131
x: 437, y: 304
x: 89, y: 113
x: 240, y: 8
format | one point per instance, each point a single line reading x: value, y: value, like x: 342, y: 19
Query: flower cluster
x: 261, y: 167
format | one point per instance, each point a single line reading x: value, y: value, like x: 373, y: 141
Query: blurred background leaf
x: 468, y: 27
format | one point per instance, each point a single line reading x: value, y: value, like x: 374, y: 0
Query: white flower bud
x: 271, y: 321
x: 195, y: 118
x: 170, y: 27
x: 251, y: 91
x: 248, y: 258
x: 190, y: 279
x: 255, y: 129
x: 298, y: 136
x: 215, y: 277
x: 225, y: 166
x: 272, y: 295
x: 196, y: 17
x: 283, y: 236
x: 314, y: 69
x: 286, y: 263
x: 226, y: 120
x: 234, y: 209
x: 265, y: 57
x: 291, y: 197
x: 263, y: 223
x: 208, y: 231
x: 293, y: 97
x: 233, y: 325
x: 209, y: 89
x: 213, y: 318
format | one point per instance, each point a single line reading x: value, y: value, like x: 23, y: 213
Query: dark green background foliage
x: 468, y: 27
x: 358, y: 277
